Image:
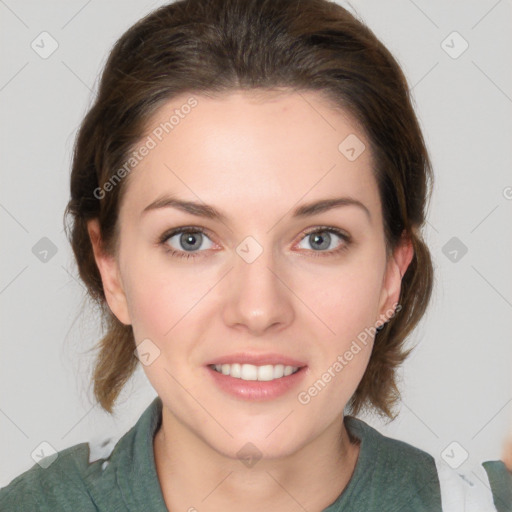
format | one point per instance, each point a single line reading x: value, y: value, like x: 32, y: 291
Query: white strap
x: 101, y: 449
x: 464, y: 490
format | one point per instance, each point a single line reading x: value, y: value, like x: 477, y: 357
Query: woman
x: 248, y: 193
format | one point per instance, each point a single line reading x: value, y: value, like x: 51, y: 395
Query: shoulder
x: 392, y: 474
x: 100, y: 475
x: 56, y: 481
x: 416, y: 480
x: 394, y: 457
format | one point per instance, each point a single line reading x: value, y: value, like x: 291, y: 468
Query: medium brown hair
x: 220, y: 46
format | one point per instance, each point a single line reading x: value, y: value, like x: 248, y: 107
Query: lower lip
x: 256, y: 390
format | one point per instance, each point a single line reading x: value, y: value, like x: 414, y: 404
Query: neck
x: 195, y: 477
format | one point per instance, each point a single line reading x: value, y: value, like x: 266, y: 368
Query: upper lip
x: 257, y: 359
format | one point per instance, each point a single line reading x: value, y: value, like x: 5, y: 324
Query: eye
x: 188, y: 241
x: 321, y: 238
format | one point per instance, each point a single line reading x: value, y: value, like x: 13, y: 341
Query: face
x: 266, y: 281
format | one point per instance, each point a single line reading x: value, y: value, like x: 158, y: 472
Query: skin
x: 507, y: 453
x: 255, y: 158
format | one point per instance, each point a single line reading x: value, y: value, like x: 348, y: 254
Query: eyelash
x: 191, y: 229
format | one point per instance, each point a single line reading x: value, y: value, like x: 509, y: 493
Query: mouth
x: 256, y: 382
x: 250, y: 372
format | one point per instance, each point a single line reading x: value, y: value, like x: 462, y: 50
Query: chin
x: 266, y: 442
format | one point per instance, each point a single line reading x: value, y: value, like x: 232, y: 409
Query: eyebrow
x: 204, y: 210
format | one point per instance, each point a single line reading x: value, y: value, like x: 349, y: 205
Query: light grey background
x: 456, y: 385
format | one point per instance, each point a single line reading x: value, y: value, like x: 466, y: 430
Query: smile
x: 251, y: 372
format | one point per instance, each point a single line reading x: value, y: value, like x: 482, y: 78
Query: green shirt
x: 390, y: 475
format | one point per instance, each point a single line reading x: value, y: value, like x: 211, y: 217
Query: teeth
x: 279, y: 371
x: 265, y: 372
x: 235, y: 370
x: 252, y: 372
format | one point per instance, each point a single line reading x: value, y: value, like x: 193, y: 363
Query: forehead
x: 252, y: 149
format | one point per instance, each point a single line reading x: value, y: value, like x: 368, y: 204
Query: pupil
x: 188, y: 238
x: 317, y: 237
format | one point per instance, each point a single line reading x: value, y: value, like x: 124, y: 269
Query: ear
x: 396, y: 267
x: 110, y: 276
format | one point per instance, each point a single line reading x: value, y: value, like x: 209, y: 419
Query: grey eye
x: 320, y: 240
x: 188, y: 241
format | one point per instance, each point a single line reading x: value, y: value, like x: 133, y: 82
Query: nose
x: 257, y: 296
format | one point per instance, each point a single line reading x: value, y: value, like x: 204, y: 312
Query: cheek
x: 160, y: 299
x: 347, y: 302
x: 344, y: 297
